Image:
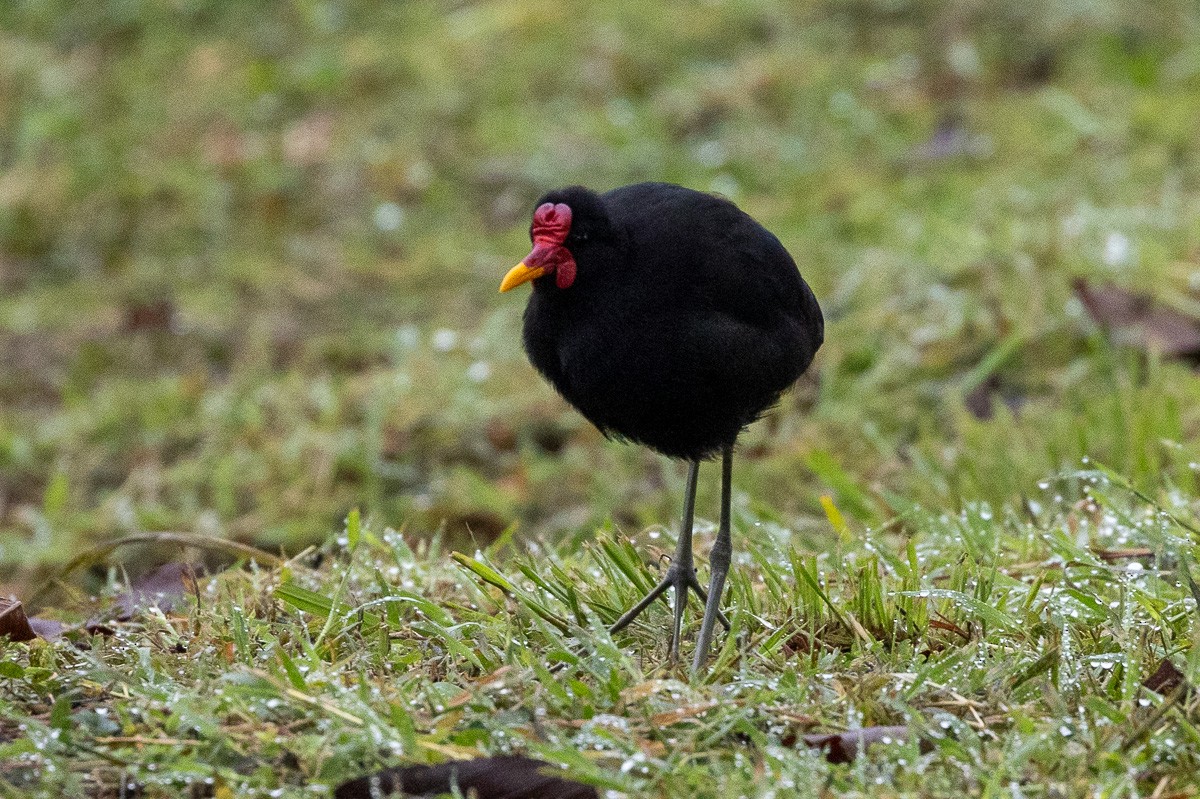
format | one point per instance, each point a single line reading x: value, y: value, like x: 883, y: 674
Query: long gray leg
x: 680, y: 575
x: 718, y: 564
x: 703, y: 594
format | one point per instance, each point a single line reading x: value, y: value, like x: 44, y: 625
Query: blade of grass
x: 494, y: 578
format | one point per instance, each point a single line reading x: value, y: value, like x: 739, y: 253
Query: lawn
x: 249, y: 255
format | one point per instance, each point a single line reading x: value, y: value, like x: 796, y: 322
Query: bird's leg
x: 718, y: 564
x: 703, y: 594
x: 681, y: 574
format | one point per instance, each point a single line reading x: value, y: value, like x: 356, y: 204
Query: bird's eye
x: 581, y: 236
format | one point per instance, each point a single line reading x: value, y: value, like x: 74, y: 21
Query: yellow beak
x: 520, y: 274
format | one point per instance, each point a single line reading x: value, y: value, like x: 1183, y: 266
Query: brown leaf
x: 156, y: 315
x: 309, y: 140
x: 508, y: 777
x: 979, y: 399
x: 501, y: 435
x: 636, y: 693
x: 13, y: 623
x: 942, y: 623
x: 1113, y: 555
x: 679, y: 714
x: 161, y: 588
x: 225, y: 146
x: 1140, y: 320
x: 1165, y: 679
x: 48, y: 629
x: 479, y: 525
x: 843, y: 747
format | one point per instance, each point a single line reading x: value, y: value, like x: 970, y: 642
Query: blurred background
x: 249, y: 255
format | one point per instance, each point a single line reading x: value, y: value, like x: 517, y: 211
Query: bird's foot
x: 680, y: 579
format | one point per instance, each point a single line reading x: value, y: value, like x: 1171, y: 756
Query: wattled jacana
x: 670, y: 318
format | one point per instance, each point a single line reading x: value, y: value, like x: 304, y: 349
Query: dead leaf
x: 843, y: 747
x: 225, y: 146
x: 460, y: 700
x: 679, y: 714
x: 496, y: 676
x: 1113, y: 555
x: 1165, y: 679
x: 1168, y: 682
x: 636, y: 693
x: 501, y: 435
x: 508, y: 777
x: 979, y: 399
x: 942, y: 623
x: 13, y: 623
x: 952, y: 139
x: 47, y: 629
x: 1141, y: 321
x: 161, y: 588
x: 156, y: 315
x: 307, y: 142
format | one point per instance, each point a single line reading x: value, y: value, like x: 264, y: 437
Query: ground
x: 248, y: 320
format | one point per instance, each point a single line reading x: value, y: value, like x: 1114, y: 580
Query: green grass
x: 1004, y: 640
x: 248, y: 267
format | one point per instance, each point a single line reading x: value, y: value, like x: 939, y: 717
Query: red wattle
x: 553, y: 258
x: 564, y: 275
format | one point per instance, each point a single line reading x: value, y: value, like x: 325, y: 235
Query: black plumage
x: 668, y: 317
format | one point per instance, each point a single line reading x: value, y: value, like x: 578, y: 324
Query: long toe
x: 680, y: 582
x: 694, y: 582
x: 637, y: 609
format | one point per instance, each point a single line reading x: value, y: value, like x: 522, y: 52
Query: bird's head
x: 566, y: 222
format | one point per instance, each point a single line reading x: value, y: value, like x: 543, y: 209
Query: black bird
x: 670, y: 318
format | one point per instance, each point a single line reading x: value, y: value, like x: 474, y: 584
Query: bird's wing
x: 752, y: 278
x: 703, y: 251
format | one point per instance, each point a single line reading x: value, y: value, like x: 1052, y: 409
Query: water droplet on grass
x: 445, y: 339
x: 388, y: 217
x: 479, y: 371
x: 1117, y: 249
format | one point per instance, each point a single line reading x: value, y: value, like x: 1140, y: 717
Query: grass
x: 248, y: 260
x: 1014, y: 645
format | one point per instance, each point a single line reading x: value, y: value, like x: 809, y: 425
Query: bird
x: 667, y: 317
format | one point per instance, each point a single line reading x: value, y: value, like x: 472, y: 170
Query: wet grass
x: 1014, y: 645
x: 248, y: 260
